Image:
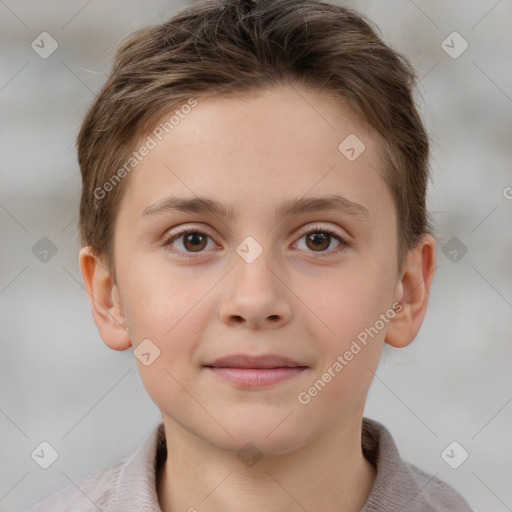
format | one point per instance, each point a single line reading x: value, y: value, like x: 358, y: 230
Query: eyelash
x: 317, y: 229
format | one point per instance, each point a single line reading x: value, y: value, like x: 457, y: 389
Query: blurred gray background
x: 59, y: 383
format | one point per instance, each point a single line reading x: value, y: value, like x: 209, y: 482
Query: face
x: 270, y: 274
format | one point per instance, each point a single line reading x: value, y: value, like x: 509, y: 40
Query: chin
x: 267, y: 437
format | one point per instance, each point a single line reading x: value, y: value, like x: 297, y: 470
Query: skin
x: 295, y: 299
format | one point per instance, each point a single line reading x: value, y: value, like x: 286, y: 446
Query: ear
x: 412, y: 293
x: 105, y: 300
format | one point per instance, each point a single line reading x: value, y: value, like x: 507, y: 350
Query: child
x: 253, y: 224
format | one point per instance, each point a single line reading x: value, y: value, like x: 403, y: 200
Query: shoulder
x: 400, y: 485
x: 434, y: 494
x: 127, y: 485
x: 92, y: 493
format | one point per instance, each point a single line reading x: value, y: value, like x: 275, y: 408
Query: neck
x: 329, y: 473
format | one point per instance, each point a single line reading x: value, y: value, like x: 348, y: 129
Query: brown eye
x: 194, y: 241
x: 319, y: 240
x: 190, y: 241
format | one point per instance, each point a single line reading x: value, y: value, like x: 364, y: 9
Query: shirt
x: 130, y: 484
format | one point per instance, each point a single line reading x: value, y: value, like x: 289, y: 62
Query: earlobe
x: 105, y: 300
x: 413, y: 292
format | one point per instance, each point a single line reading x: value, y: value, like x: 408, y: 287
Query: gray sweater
x: 130, y: 485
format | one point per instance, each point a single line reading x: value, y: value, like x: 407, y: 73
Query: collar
x: 398, y: 485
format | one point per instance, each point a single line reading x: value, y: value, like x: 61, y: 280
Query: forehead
x: 258, y: 148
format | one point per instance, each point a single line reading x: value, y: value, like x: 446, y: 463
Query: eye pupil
x: 194, y: 238
x: 322, y: 238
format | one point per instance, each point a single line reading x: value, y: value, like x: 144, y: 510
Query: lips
x: 253, y: 372
x: 254, y: 362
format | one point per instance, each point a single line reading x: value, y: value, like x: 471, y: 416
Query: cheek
x: 351, y: 342
x: 159, y: 302
x: 168, y: 313
x: 339, y: 390
x: 348, y: 301
x: 172, y: 311
x: 352, y: 314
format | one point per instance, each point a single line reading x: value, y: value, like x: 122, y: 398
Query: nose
x: 256, y: 295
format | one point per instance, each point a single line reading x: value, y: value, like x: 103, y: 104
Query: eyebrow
x: 285, y: 208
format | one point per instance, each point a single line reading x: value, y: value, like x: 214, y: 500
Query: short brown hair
x: 233, y: 46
